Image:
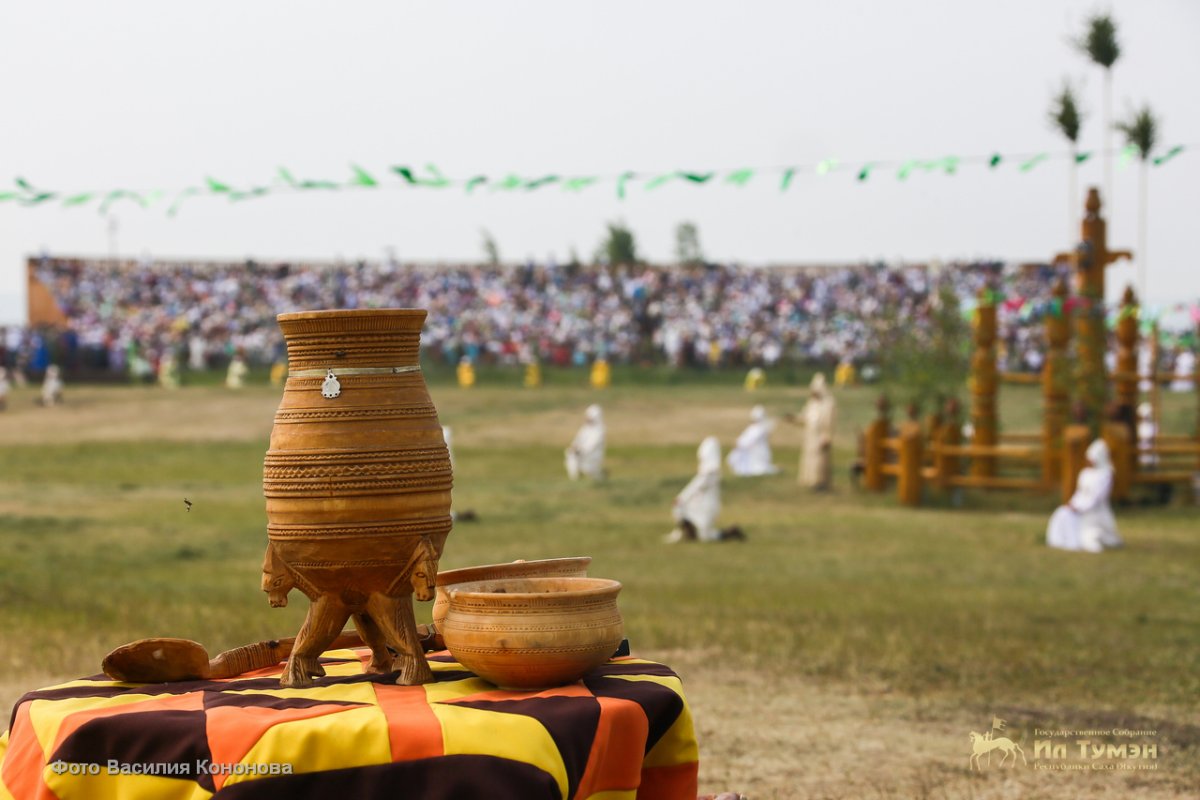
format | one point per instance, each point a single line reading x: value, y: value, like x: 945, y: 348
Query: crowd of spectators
x: 123, y: 316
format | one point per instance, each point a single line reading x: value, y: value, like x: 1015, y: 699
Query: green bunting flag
x: 249, y: 194
x: 362, y: 177
x: 621, y: 181
x: 578, y: 184
x: 1026, y: 166
x: 1126, y: 156
x: 509, y: 183
x: 739, y: 177
x: 406, y: 173
x: 1167, y: 156
x: 659, y: 180
x: 431, y: 177
x: 191, y: 191
x: 121, y: 194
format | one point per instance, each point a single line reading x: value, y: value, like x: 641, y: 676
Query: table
x: 623, y: 732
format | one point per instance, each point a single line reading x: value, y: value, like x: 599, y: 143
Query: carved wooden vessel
x: 357, y: 481
x: 541, y: 568
x: 533, y: 633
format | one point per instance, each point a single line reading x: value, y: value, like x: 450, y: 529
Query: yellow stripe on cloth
x: 122, y: 787
x: 473, y: 731
x: 46, y: 716
x: 678, y: 745
x: 335, y: 692
x: 356, y: 737
x: 5, y: 794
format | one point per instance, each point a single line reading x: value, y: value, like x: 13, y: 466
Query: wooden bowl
x: 533, y: 633
x: 542, y: 568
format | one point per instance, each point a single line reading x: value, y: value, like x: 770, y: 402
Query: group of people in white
x: 1086, y: 523
x: 698, y: 504
x: 52, y: 387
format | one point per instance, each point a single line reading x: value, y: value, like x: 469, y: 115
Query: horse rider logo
x: 984, y: 743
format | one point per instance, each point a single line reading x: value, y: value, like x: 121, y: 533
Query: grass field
x: 845, y: 650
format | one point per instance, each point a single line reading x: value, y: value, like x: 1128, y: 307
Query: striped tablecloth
x: 623, y: 732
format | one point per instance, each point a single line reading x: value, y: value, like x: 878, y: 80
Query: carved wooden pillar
x: 1056, y: 382
x: 908, y: 485
x: 949, y: 435
x: 873, y: 450
x: 1075, y: 443
x: 1125, y: 382
x: 983, y: 382
x: 1090, y: 261
x: 1122, y: 449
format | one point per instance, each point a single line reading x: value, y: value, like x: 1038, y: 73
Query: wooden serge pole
x: 1055, y: 385
x: 983, y: 382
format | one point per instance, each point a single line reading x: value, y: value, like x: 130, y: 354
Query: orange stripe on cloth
x: 615, y: 761
x: 24, y: 760
x: 413, y: 729
x: 678, y: 782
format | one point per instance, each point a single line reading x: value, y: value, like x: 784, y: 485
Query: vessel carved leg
x: 325, y: 620
x: 394, y: 616
x: 373, y: 637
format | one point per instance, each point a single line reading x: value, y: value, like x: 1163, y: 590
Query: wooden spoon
x: 162, y: 660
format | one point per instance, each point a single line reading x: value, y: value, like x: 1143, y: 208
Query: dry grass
x: 845, y: 651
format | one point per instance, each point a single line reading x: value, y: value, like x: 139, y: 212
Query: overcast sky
x: 152, y: 95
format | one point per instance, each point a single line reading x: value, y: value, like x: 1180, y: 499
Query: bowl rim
x: 607, y: 586
x: 452, y: 575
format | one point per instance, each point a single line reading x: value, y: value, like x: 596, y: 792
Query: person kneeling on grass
x: 697, y: 506
x: 1086, y: 522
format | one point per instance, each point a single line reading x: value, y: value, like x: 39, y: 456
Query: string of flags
x: 26, y: 193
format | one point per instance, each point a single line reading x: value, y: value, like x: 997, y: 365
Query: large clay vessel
x: 357, y: 482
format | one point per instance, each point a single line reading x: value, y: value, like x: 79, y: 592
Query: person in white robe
x: 1185, y: 372
x: 235, y: 376
x: 4, y: 388
x: 752, y: 453
x: 585, y: 456
x: 52, y: 386
x: 816, y: 454
x: 1086, y: 522
x: 697, y: 506
x: 1146, y: 433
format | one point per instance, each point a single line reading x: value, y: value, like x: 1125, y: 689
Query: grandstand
x: 100, y: 316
